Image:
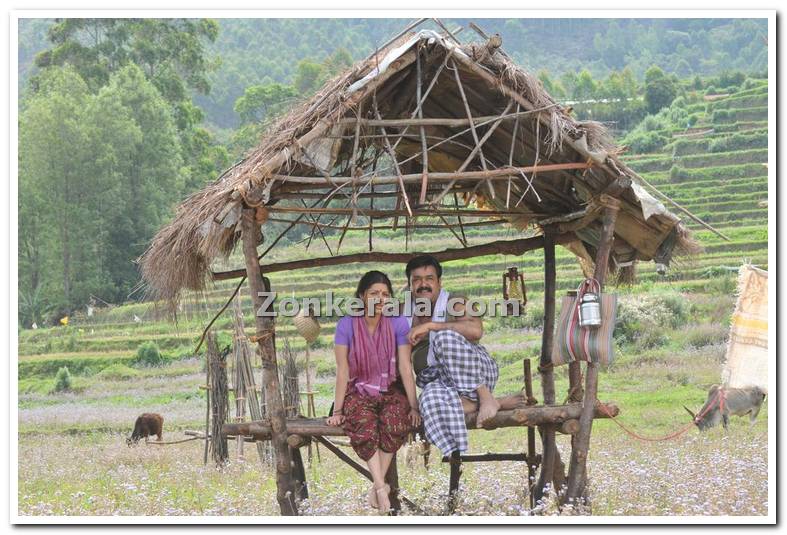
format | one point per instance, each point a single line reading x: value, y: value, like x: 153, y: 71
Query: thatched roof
x: 205, y: 226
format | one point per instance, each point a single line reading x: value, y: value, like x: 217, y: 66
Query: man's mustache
x: 424, y: 289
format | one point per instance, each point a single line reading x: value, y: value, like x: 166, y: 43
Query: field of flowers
x: 73, y: 459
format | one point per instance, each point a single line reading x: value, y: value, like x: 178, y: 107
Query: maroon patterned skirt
x: 374, y: 423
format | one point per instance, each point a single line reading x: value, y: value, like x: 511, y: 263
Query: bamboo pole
x: 392, y: 154
x: 424, y: 150
x: 472, y: 124
x: 577, y: 475
x: 267, y: 348
x: 473, y: 152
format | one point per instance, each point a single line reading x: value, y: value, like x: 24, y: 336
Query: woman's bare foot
x: 372, y: 497
x: 384, y: 504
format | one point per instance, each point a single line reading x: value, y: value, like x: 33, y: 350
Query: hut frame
x: 430, y: 123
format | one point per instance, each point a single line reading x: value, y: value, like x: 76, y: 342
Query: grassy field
x: 670, y: 342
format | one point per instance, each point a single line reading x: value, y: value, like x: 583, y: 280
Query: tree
x: 585, y: 88
x: 260, y: 102
x: 660, y: 90
x: 307, y: 76
x: 170, y: 52
x: 553, y: 87
x: 139, y: 147
x: 62, y: 190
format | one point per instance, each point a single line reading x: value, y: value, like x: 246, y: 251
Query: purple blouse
x: 344, y: 331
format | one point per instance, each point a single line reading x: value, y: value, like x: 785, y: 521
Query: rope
x: 173, y: 442
x: 676, y: 434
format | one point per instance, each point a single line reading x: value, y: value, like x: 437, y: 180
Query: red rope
x: 676, y: 434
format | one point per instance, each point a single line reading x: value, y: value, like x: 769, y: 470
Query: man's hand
x: 418, y: 332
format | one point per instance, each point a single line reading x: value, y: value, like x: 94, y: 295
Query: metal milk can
x: 590, y: 311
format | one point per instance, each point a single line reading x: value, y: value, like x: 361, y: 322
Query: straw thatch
x: 205, y: 226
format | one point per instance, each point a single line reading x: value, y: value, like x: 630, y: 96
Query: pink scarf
x: 372, y: 358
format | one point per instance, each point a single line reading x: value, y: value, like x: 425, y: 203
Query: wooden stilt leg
x: 453, y: 484
x: 270, y: 376
x: 531, y: 440
x: 577, y: 473
x: 299, y: 474
x: 550, y: 456
x: 392, y: 479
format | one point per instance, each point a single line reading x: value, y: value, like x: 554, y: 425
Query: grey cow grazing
x: 725, y: 402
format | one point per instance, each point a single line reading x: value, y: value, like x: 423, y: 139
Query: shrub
x: 642, y: 319
x: 646, y: 142
x: 148, y: 354
x: 117, y: 372
x: 63, y: 380
x: 706, y: 335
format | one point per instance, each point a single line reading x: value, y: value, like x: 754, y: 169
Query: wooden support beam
x: 491, y: 174
x: 460, y: 224
x: 485, y: 457
x: 524, y: 416
x: 577, y: 475
x: 270, y: 376
x: 386, y: 214
x: 504, y: 247
x: 436, y: 121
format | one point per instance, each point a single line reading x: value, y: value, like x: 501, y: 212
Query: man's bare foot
x: 488, y: 409
x: 511, y: 402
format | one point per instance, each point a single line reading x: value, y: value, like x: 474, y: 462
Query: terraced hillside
x: 670, y: 337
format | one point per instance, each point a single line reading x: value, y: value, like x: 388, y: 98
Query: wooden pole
x: 577, y: 473
x: 545, y: 365
x: 270, y: 376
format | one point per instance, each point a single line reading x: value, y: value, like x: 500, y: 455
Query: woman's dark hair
x: 423, y: 261
x: 372, y: 277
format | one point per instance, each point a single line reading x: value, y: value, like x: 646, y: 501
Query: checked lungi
x: 461, y: 368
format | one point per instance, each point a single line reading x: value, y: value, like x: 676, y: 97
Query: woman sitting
x: 375, y: 387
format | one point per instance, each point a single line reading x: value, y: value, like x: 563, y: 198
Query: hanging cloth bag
x: 592, y: 343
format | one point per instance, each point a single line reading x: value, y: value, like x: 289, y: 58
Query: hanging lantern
x: 514, y: 287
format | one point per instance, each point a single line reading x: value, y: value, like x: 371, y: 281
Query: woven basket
x: 307, y: 326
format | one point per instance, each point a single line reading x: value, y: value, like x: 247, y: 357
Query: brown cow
x: 147, y: 424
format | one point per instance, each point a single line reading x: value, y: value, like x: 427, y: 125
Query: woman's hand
x: 336, y: 419
x: 415, y: 417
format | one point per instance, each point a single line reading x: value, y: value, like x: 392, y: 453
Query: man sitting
x: 458, y: 375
